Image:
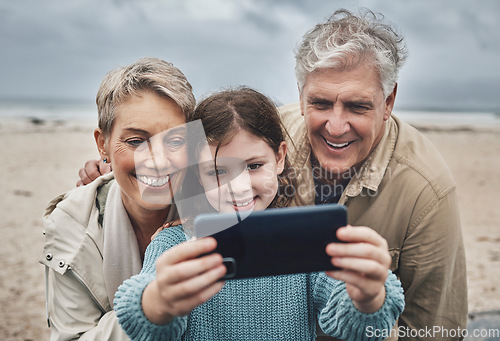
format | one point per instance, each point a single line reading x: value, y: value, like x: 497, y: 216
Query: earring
x: 105, y: 160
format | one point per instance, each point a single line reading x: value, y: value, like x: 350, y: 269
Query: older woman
x: 96, y: 235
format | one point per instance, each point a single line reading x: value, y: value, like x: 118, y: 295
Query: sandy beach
x: 40, y: 159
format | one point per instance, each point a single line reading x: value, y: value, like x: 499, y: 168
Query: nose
x: 337, y: 123
x: 240, y: 185
x: 158, y: 156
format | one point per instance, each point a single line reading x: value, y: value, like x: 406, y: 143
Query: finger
x: 79, y: 183
x: 186, y: 305
x: 183, y: 271
x: 354, y: 278
x: 360, y: 250
x: 186, y: 251
x: 157, y: 233
x: 364, y: 287
x: 361, y: 234
x: 363, y: 266
x: 91, y: 170
x: 203, y: 296
x: 84, y: 179
x: 103, y: 168
x: 194, y: 285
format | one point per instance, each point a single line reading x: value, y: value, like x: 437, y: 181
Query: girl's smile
x: 243, y: 174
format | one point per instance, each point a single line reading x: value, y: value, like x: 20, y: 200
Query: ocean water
x: 68, y: 111
x: 48, y: 110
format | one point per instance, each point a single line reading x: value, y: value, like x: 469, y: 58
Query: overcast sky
x: 62, y: 49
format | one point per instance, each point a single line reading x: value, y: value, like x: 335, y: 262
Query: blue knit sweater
x: 268, y: 308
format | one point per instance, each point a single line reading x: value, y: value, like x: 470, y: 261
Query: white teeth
x: 153, y: 181
x: 241, y: 204
x: 334, y: 145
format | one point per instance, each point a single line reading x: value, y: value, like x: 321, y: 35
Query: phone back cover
x: 277, y: 241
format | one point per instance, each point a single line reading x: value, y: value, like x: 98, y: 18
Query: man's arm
x: 91, y: 171
x: 433, y: 271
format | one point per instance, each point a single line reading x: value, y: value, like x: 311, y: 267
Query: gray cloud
x: 55, y: 49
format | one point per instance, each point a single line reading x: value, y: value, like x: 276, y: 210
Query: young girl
x: 181, y: 297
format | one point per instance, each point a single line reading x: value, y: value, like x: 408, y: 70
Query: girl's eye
x: 175, y: 143
x: 254, y: 166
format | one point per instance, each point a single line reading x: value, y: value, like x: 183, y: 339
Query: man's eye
x: 321, y: 105
x: 360, y: 109
x: 254, y: 166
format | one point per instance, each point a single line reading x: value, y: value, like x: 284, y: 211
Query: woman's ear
x: 280, y: 157
x: 100, y: 141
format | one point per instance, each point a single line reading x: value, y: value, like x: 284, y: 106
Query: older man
x: 350, y: 149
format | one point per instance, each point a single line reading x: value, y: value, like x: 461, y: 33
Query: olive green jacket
x: 405, y: 192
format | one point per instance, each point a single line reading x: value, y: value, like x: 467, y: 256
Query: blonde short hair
x: 146, y: 74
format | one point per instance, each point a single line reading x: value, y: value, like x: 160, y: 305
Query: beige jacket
x: 406, y: 193
x: 78, y: 306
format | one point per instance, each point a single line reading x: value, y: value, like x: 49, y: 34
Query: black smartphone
x: 275, y: 241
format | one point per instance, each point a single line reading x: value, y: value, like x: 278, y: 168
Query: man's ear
x: 280, y: 157
x: 100, y: 141
x: 389, y: 102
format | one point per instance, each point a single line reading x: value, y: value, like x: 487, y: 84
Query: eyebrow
x: 360, y: 102
x: 138, y: 131
x: 255, y: 158
x: 319, y: 99
x: 145, y: 132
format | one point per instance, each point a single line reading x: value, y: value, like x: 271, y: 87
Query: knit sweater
x: 284, y: 307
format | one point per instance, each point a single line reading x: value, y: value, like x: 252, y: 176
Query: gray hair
x: 146, y: 74
x: 346, y: 40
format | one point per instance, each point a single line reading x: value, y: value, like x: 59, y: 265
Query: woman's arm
x: 69, y: 300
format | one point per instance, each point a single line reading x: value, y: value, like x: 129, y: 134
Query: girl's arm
x: 338, y: 317
x: 364, y: 263
x: 151, y: 305
x: 365, y: 302
x: 183, y: 281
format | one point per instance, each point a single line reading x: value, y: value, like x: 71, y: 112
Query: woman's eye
x: 254, y: 166
x: 134, y: 142
x: 216, y: 172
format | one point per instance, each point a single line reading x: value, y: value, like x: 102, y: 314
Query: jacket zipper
x: 79, y: 279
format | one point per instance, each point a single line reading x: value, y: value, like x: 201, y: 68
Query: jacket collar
x: 369, y: 176
x: 374, y: 168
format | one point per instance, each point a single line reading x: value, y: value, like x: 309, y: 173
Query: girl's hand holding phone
x: 183, y: 281
x: 364, y: 261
